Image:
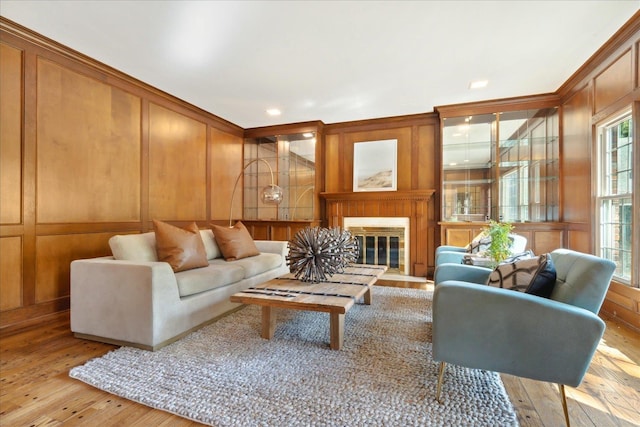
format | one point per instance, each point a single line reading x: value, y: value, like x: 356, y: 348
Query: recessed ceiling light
x: 307, y: 134
x: 478, y: 84
x: 274, y: 112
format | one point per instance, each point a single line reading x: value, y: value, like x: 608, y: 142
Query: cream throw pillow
x: 210, y: 245
x: 134, y: 247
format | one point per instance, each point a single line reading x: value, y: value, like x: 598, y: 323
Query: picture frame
x: 375, y: 165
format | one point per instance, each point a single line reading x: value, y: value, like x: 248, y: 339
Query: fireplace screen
x: 381, y: 246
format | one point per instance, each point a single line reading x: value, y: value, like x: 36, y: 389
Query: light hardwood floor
x: 35, y: 389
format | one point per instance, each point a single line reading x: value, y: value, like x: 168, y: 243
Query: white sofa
x: 132, y: 299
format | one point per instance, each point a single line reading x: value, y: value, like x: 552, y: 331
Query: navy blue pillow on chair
x: 544, y: 280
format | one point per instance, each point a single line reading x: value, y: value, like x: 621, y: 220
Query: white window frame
x: 603, y: 195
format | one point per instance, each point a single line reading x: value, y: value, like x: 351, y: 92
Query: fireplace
x: 383, y: 241
x: 411, y: 206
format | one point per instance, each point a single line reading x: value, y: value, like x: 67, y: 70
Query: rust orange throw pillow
x: 183, y: 249
x: 234, y: 242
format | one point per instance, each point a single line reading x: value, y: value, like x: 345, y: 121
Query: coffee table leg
x: 367, y: 296
x: 268, y: 322
x: 336, y: 328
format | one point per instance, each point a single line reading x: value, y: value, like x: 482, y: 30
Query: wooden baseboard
x: 36, y: 322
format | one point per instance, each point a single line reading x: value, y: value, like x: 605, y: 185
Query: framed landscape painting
x: 375, y: 165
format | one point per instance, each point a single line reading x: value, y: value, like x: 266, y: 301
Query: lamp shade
x: 272, y: 195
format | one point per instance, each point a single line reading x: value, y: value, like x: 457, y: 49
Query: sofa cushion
x: 479, y: 244
x: 254, y: 265
x: 544, y: 279
x: 234, y: 242
x: 183, y: 249
x: 214, y: 276
x: 515, y: 275
x: 535, y: 275
x: 210, y: 245
x: 134, y: 247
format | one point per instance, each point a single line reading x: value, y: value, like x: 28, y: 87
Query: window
x: 615, y: 191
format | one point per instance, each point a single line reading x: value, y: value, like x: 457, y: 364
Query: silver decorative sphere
x: 316, y: 253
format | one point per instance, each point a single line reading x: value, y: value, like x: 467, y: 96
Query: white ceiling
x: 333, y: 61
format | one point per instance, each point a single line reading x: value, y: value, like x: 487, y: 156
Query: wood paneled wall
x: 418, y: 168
x: 88, y: 152
x: 604, y: 86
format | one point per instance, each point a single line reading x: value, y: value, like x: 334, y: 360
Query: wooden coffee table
x: 336, y: 296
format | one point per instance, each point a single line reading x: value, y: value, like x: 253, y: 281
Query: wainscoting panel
x: 177, y: 166
x: 53, y: 260
x: 623, y: 303
x: 614, y: 82
x: 333, y: 182
x: 459, y: 233
x: 10, y: 272
x: 425, y: 165
x: 579, y: 240
x: 10, y: 134
x: 88, y: 152
x: 576, y: 158
x: 547, y: 241
x: 223, y: 171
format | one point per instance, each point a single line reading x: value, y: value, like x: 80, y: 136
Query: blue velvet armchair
x: 502, y: 330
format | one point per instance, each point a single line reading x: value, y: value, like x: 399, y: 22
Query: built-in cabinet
x: 290, y: 157
x: 501, y: 165
x: 289, y: 162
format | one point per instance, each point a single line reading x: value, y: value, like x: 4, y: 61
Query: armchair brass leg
x: 564, y: 405
x: 440, y: 377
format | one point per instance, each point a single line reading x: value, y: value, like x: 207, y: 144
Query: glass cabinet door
x: 292, y: 161
x: 468, y: 144
x: 528, y: 165
x: 502, y: 166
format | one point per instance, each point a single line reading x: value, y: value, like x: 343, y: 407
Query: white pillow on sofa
x: 142, y: 247
x: 210, y: 245
x: 134, y: 247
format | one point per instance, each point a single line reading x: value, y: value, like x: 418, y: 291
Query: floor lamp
x: 295, y: 206
x: 271, y: 194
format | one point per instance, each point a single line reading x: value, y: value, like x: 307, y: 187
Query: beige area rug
x: 226, y: 375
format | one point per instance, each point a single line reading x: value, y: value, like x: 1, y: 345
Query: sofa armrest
x: 501, y: 330
x: 449, y: 248
x: 461, y: 272
x: 273, y: 246
x: 121, y: 300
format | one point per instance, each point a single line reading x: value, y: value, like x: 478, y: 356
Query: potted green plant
x: 498, y: 232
